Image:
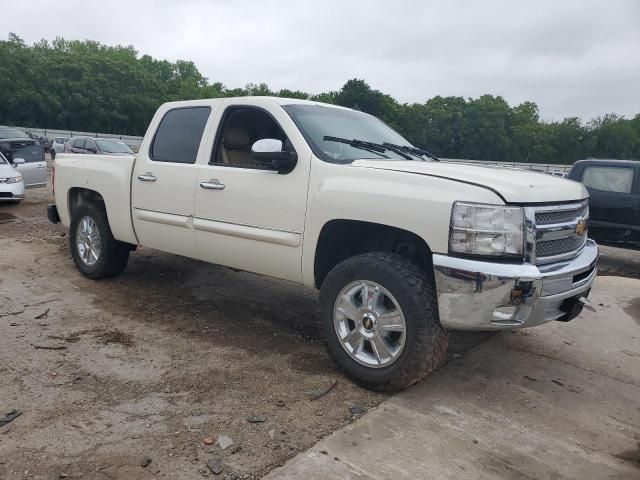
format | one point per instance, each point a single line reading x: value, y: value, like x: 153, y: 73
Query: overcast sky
x: 572, y: 57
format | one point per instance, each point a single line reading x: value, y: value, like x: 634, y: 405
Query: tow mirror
x: 268, y: 152
x: 18, y: 161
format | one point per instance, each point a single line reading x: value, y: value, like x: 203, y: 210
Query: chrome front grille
x: 556, y: 232
x: 561, y: 216
x: 551, y: 248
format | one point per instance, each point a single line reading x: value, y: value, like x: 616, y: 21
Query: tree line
x: 89, y: 86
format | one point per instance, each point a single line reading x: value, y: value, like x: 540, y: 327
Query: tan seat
x: 236, y: 146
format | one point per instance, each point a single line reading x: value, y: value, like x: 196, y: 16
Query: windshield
x: 2, y: 160
x: 113, y: 146
x: 12, y: 133
x: 317, y: 122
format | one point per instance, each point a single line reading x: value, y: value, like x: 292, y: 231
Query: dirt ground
x: 110, y: 375
x: 148, y: 364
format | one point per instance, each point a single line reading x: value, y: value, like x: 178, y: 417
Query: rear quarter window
x: 609, y: 179
x: 179, y: 134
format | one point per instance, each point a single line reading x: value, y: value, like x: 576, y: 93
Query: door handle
x: 212, y: 184
x: 147, y: 177
x: 41, y: 166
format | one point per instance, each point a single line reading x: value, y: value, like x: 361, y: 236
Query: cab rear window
x: 179, y: 134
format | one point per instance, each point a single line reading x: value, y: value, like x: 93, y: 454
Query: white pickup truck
x: 402, y: 247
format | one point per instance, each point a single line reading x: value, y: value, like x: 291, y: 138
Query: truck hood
x: 512, y: 185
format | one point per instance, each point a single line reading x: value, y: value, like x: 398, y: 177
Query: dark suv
x: 614, y: 187
x: 15, y: 143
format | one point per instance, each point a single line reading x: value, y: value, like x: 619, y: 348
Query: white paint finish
x: 33, y: 173
x: 561, y: 401
x: 299, y: 203
x: 172, y: 193
x: 264, y: 208
x: 515, y: 186
x: 418, y: 204
x: 277, y: 237
x: 162, y: 218
x: 109, y: 176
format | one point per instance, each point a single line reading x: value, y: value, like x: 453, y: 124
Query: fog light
x: 505, y: 315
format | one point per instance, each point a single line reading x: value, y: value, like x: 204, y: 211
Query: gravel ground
x: 148, y: 364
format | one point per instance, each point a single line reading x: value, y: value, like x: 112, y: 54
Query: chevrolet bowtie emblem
x: 581, y: 227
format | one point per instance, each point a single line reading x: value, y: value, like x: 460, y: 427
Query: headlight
x: 16, y: 179
x: 489, y: 230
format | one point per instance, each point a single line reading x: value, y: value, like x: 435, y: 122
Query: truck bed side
x: 107, y: 175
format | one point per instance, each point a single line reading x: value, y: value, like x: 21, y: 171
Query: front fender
x: 415, y: 203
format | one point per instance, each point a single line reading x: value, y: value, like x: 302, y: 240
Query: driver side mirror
x: 268, y: 152
x: 18, y: 161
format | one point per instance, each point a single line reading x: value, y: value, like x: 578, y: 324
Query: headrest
x: 236, y: 137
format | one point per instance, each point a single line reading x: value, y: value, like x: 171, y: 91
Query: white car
x: 57, y: 144
x: 11, y: 183
x: 402, y: 246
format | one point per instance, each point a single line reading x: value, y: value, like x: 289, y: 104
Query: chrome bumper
x: 479, y: 295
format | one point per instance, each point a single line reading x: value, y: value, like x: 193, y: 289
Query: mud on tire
x: 425, y: 343
x: 114, y: 254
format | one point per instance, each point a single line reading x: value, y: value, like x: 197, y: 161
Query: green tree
x: 89, y: 86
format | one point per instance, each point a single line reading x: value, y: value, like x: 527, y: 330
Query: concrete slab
x: 561, y: 401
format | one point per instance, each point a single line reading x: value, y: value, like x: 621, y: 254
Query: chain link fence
x: 134, y: 142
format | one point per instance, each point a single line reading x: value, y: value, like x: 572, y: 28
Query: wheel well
x: 341, y: 239
x: 80, y: 196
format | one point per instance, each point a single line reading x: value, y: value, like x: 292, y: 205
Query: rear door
x: 164, y: 179
x: 34, y: 170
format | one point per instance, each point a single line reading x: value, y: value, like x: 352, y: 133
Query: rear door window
x: 609, y: 179
x: 179, y: 134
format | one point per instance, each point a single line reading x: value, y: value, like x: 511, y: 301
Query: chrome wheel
x: 369, y: 323
x: 88, y: 241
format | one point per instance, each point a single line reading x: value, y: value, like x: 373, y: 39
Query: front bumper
x: 480, y: 295
x: 12, y: 191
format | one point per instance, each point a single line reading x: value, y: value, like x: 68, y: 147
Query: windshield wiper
x: 371, y: 146
x: 413, y: 150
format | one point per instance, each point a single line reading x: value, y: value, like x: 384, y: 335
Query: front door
x: 164, y: 180
x: 247, y: 215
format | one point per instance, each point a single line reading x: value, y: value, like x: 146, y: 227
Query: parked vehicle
x: 15, y: 144
x: 614, y: 188
x: 103, y: 146
x: 11, y: 184
x: 402, y: 247
x: 57, y: 145
x: 558, y: 173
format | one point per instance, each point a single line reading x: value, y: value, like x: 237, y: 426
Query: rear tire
x: 405, y: 292
x: 94, y: 250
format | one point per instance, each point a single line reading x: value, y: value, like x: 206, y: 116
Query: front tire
x: 380, y: 319
x: 94, y: 250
